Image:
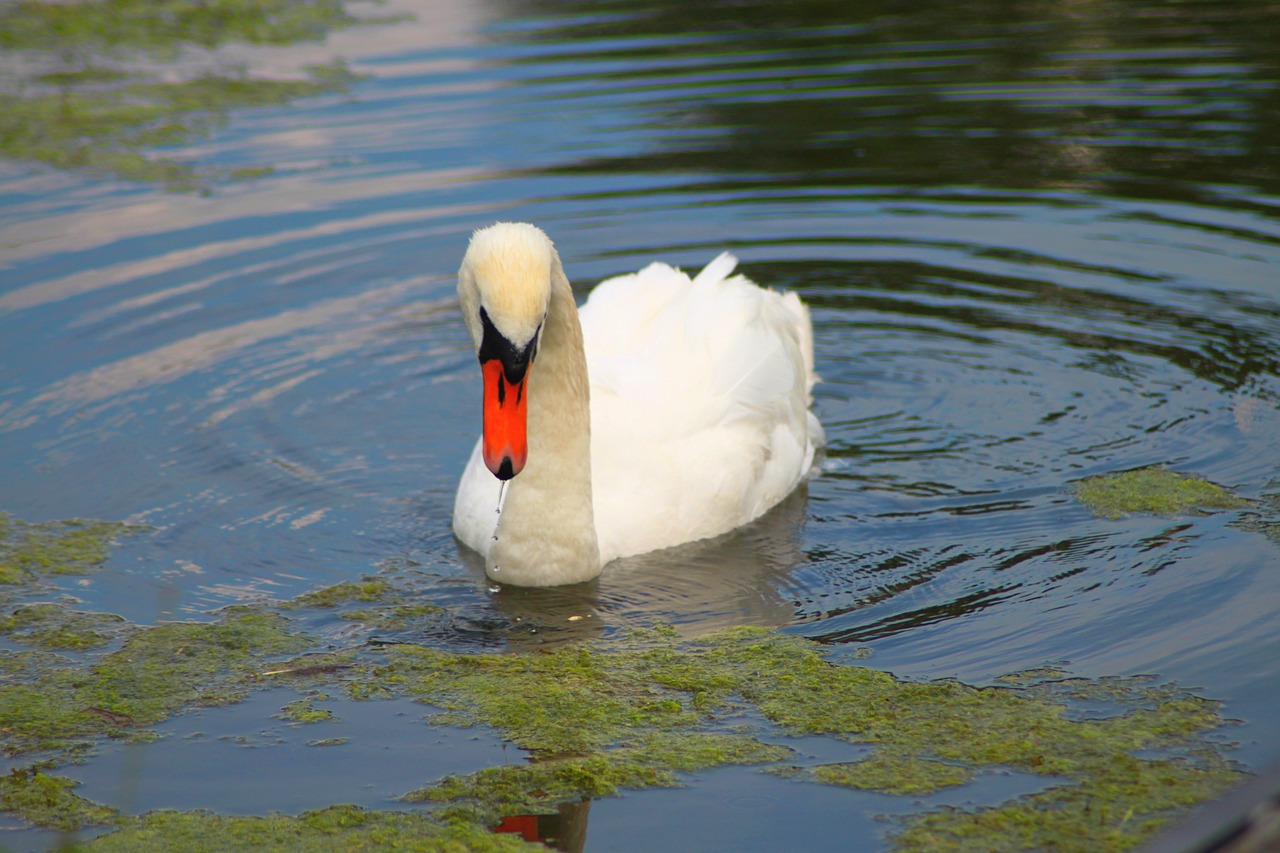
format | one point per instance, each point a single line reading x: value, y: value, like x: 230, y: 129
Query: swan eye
x: 495, y: 345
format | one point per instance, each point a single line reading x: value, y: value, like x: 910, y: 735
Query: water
x: 1040, y: 242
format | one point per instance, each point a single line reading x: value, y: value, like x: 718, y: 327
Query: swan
x: 666, y: 410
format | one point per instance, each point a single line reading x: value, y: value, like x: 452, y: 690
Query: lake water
x: 1041, y: 241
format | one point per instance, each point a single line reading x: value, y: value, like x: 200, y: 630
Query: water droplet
x: 495, y: 587
x: 496, y: 568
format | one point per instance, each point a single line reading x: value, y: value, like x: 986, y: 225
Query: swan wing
x: 700, y: 393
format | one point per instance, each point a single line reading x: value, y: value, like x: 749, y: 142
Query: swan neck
x: 546, y: 531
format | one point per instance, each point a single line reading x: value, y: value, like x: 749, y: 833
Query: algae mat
x: 86, y: 95
x: 644, y: 710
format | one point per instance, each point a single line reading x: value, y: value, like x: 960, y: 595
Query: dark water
x: 1040, y: 240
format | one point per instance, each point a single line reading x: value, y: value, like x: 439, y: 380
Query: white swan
x: 695, y: 419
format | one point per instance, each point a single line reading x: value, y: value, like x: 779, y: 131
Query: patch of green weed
x: 303, y: 711
x: 605, y: 717
x: 97, y: 113
x: 902, y: 775
x: 53, y: 626
x: 1157, y: 490
x: 47, y: 700
x: 48, y: 801
x: 369, y: 589
x: 342, y: 827
x: 29, y: 551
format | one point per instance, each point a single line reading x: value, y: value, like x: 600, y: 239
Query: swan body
x: 667, y: 410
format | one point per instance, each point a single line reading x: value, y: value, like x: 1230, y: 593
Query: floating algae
x: 1157, y: 490
x: 29, y: 551
x: 604, y: 719
x: 645, y: 710
x: 902, y: 775
x: 48, y: 801
x: 487, y: 796
x: 368, y: 589
x: 86, y: 106
x: 379, y: 606
x: 590, y: 715
x: 53, y: 626
x: 342, y: 827
x: 47, y: 701
x: 305, y: 711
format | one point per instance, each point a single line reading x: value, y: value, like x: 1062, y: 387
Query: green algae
x: 340, y: 827
x: 541, y: 786
x: 53, y: 626
x: 638, y: 712
x: 568, y: 700
x: 304, y: 711
x: 1155, y: 490
x: 1115, y: 809
x: 108, y: 130
x: 384, y: 608
x: 631, y: 718
x: 159, y: 27
x: 98, y: 112
x: 538, y: 787
x: 45, y: 700
x: 30, y: 551
x: 902, y: 775
x: 601, y: 710
x: 49, y: 801
x: 368, y: 589
x: 398, y: 617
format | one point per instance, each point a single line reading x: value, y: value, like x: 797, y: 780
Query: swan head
x: 504, y: 287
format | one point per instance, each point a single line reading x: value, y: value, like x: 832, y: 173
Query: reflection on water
x: 566, y: 830
x: 740, y: 578
x: 1040, y: 242
x: 1121, y: 98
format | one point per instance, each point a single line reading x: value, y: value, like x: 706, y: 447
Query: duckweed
x: 1157, y: 490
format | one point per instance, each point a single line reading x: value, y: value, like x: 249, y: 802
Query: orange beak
x: 506, y: 442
